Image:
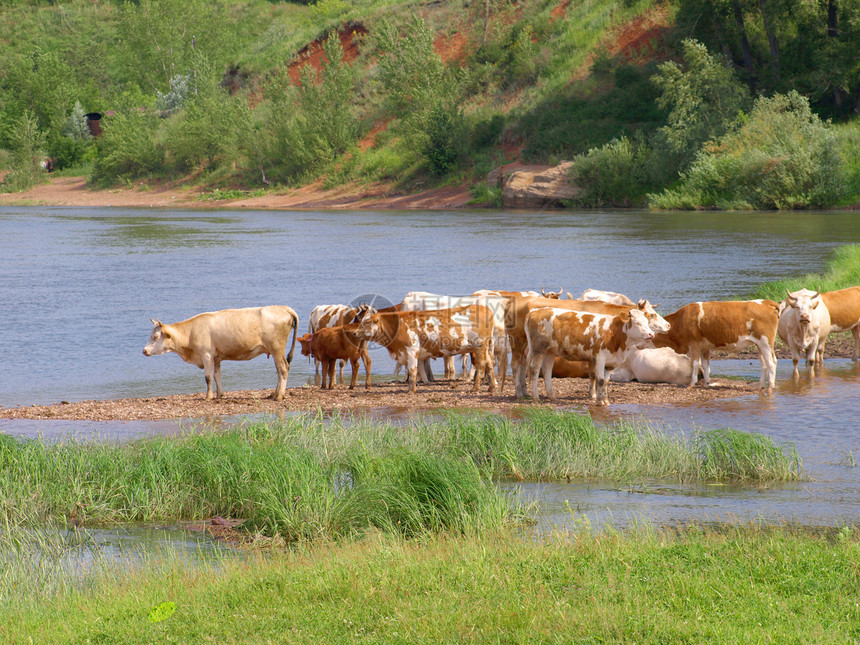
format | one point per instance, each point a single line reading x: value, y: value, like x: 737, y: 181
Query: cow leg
x: 706, y: 367
x: 365, y: 358
x: 332, y: 365
x: 412, y: 367
x: 317, y: 365
x: 856, y: 333
x: 768, y: 365
x: 422, y: 367
x: 518, y: 368
x: 450, y: 368
x: 546, y: 369
x: 592, y: 382
x: 811, y: 353
x: 501, y: 351
x: 694, y: 368
x: 535, y: 361
x: 340, y: 366
x: 598, y: 365
x: 354, y: 364
x: 283, y: 369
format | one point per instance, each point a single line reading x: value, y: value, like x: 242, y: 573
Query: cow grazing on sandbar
x: 601, y: 339
x: 517, y: 308
x: 699, y: 327
x: 229, y: 335
x: 844, y: 308
x: 804, y: 324
x: 412, y: 336
x: 332, y: 344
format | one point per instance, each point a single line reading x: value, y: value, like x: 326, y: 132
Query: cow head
x: 804, y: 301
x: 638, y: 328
x: 657, y: 323
x: 306, y: 344
x: 160, y: 340
x: 361, y: 312
x: 551, y: 294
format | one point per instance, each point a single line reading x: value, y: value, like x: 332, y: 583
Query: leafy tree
x: 421, y: 92
x: 160, y: 38
x: 782, y: 156
x: 43, y: 85
x: 27, y: 144
x: 210, y: 128
x: 128, y: 147
x: 307, y: 126
x: 703, y: 99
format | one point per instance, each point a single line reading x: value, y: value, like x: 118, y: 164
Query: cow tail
x: 293, y: 346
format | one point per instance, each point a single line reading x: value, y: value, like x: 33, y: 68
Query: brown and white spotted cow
x: 844, y: 308
x: 412, y: 336
x: 229, y: 335
x: 602, y: 340
x: 332, y: 344
x: 517, y: 308
x: 699, y: 327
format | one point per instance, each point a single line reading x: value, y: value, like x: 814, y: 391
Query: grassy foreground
x: 312, y: 477
x: 739, y: 585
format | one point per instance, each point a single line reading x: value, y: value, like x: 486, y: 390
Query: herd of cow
x: 598, y: 335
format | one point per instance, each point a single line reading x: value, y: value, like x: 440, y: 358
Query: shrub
x: 127, y: 147
x: 612, y: 175
x: 211, y: 127
x: 703, y: 99
x: 27, y: 144
x: 782, y: 156
x: 308, y: 125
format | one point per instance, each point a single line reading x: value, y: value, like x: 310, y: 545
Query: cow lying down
x: 229, y: 335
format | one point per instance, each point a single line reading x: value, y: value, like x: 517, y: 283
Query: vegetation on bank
x: 841, y: 271
x: 311, y: 477
x: 737, y: 584
x: 679, y: 104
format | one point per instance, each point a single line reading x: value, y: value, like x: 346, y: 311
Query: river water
x: 79, y: 287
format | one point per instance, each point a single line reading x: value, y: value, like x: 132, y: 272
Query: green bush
x: 611, y: 175
x: 128, y: 147
x: 27, y: 144
x: 305, y: 127
x: 703, y: 99
x: 782, y: 156
x: 210, y: 129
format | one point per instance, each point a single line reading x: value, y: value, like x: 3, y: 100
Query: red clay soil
x: 559, y: 11
x: 451, y: 48
x: 313, y: 55
x: 643, y: 39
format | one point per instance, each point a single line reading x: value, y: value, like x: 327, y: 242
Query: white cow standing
x: 804, y: 323
x: 207, y: 339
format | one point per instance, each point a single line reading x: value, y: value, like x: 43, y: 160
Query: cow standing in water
x: 844, y: 308
x: 229, y: 335
x: 804, y: 323
x: 699, y: 327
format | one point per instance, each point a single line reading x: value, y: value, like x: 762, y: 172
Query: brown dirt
x: 382, y: 396
x: 393, y: 397
x: 312, y: 54
x: 73, y: 191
